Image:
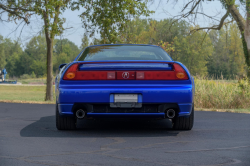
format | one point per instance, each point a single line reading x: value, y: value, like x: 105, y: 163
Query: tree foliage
x: 33, y: 58
x: 108, y: 17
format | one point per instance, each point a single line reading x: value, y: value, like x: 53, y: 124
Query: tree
x: 193, y: 8
x: 2, y: 54
x: 10, y: 53
x: 50, y: 11
x: 68, y: 47
x: 16, y: 10
x: 85, y: 41
x: 227, y: 59
x: 107, y: 17
x: 65, y: 51
x: 36, y: 50
x: 191, y: 53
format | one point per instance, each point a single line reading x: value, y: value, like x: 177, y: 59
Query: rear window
x: 123, y: 52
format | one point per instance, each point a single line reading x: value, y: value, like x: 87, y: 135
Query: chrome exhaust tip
x: 80, y: 114
x: 170, y: 113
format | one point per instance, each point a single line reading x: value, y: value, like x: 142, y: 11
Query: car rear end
x: 154, y: 89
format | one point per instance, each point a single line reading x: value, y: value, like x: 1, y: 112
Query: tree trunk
x: 246, y: 38
x: 244, y: 27
x: 49, y: 42
x: 49, y: 87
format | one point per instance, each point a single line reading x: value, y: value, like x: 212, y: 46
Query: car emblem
x: 125, y: 75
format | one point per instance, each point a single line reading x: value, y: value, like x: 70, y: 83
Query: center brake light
x: 178, y: 73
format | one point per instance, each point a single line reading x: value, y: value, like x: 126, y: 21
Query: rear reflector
x: 111, y: 75
x: 178, y: 73
x: 71, y: 75
x: 140, y: 75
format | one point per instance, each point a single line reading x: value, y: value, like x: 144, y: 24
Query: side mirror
x: 62, y: 65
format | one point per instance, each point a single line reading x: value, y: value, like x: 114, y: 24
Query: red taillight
x: 155, y: 75
x: 178, y: 73
x: 91, y: 75
x: 71, y: 72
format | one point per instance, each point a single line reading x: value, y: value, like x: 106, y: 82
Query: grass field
x: 213, y: 95
x: 19, y: 93
x: 33, y: 81
x: 222, y: 94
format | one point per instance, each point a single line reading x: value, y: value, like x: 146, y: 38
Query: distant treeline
x: 213, y: 53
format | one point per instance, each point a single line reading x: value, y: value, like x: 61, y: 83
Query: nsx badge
x: 125, y: 75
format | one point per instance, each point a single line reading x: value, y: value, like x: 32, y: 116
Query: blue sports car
x: 124, y: 81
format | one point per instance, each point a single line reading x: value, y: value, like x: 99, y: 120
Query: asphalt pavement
x: 28, y: 137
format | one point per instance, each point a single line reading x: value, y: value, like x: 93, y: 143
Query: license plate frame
x: 125, y: 101
x: 125, y: 98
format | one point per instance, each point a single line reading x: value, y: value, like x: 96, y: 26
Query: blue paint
x: 139, y: 98
x: 112, y: 98
x: 180, y: 92
x: 65, y: 109
x: 185, y: 109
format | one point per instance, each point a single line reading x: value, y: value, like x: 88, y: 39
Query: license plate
x: 126, y: 98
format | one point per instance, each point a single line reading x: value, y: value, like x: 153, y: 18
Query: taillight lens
x: 155, y: 75
x: 71, y: 72
x: 95, y: 75
x: 180, y: 73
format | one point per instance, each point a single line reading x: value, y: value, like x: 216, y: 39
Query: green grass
x: 33, y: 81
x: 221, y: 94
x: 22, y: 93
x: 241, y: 110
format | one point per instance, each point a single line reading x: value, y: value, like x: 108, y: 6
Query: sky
x: 75, y: 30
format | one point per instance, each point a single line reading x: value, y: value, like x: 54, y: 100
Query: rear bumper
x: 150, y: 94
x: 182, y: 110
x: 100, y: 93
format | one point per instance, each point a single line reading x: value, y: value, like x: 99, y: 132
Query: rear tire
x: 64, y: 123
x: 184, y: 123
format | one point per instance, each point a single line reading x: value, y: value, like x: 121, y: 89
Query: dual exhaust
x: 170, y: 113
x: 80, y: 114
